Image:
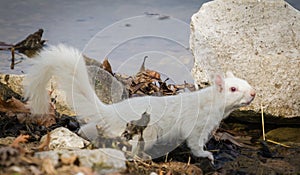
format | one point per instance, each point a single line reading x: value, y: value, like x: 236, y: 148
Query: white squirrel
x: 190, y: 116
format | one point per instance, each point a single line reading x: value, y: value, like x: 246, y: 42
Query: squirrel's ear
x: 229, y: 74
x: 219, y: 82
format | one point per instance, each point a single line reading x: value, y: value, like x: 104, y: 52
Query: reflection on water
x: 123, y: 31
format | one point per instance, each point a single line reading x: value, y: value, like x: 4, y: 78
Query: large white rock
x: 259, y: 41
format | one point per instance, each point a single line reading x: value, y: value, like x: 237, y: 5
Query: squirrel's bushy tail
x: 67, y: 65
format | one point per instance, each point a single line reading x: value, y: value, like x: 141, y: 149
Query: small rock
x: 108, y: 88
x: 62, y: 138
x: 103, y: 160
x: 153, y: 173
x: 9, y: 156
x: 15, y: 82
x: 54, y: 156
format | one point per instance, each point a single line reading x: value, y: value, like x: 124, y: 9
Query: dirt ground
x: 252, y: 156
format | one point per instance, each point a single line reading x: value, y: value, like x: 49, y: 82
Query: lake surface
x: 123, y: 31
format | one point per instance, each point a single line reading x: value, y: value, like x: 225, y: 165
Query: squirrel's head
x: 238, y: 92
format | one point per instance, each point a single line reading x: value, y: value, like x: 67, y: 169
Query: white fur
x: 191, y: 116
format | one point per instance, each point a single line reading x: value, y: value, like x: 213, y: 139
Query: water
x: 123, y: 31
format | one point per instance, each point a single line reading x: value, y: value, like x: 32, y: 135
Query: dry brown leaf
x: 13, y: 105
x: 46, y: 120
x: 153, y: 74
x: 30, y: 160
x: 48, y: 167
x: 20, y: 139
x: 106, y: 66
x: 241, y: 141
x: 68, y: 160
x: 45, y: 145
x: 169, y: 172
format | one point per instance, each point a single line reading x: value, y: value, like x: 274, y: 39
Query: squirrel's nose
x: 252, y: 93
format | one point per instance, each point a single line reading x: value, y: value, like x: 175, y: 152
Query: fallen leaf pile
x: 149, y: 82
x: 15, y: 159
x: 12, y: 105
x: 164, y: 168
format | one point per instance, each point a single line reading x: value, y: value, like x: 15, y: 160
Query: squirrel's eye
x: 232, y: 89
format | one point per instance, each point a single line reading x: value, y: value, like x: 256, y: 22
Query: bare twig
x: 277, y: 143
x: 263, y: 122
